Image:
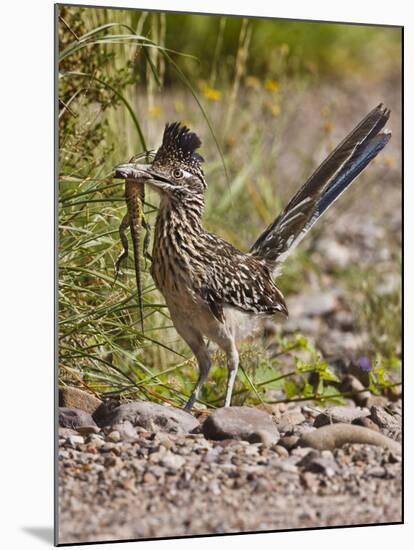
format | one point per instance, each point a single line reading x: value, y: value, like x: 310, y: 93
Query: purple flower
x: 364, y: 363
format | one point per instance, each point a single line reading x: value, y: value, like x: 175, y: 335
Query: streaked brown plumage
x: 206, y: 282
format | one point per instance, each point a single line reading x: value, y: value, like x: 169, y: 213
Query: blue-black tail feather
x: 351, y: 170
x: 322, y: 189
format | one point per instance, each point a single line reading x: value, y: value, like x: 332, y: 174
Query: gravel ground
x: 114, y: 485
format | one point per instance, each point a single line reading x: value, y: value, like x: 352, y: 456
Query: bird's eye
x: 178, y: 173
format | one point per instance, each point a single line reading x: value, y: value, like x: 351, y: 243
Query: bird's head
x: 176, y: 168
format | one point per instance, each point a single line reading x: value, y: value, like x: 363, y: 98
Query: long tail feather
x: 352, y: 169
x: 324, y: 186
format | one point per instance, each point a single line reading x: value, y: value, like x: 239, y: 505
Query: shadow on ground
x: 42, y: 533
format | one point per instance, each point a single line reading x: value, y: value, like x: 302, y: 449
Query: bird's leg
x: 124, y: 240
x: 195, y: 341
x: 202, y: 355
x: 232, y: 365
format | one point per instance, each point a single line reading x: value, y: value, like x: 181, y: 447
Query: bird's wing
x: 242, y: 282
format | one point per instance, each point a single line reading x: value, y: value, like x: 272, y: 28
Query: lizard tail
x: 134, y: 194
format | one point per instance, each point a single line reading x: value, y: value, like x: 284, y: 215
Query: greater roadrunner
x: 206, y: 282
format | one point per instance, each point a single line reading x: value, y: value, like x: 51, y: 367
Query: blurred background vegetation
x: 269, y: 98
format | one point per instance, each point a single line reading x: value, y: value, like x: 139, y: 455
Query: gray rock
x: 95, y: 440
x: 291, y: 418
x: 314, y: 462
x: 289, y: 441
x: 323, y: 466
x: 149, y: 478
x: 337, y: 414
x: 212, y: 454
x: 383, y: 419
x: 108, y: 447
x: 353, y: 385
x: 86, y: 430
x: 75, y: 419
x: 172, y: 461
x: 74, y: 440
x: 164, y: 440
x: 66, y: 432
x: 245, y: 423
x: 126, y: 430
x: 112, y: 461
x: 114, y: 436
x: 287, y: 467
x: 336, y: 435
x: 152, y: 417
x: 301, y: 451
x: 377, y: 471
x: 281, y: 451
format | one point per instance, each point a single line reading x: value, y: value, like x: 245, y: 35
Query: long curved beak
x: 133, y: 171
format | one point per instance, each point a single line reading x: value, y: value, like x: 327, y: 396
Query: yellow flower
x: 212, y: 93
x: 155, y: 111
x: 271, y: 85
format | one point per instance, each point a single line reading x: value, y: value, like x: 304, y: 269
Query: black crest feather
x: 179, y: 144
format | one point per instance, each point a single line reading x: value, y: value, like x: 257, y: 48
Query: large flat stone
x: 335, y: 435
x: 151, y: 416
x: 78, y: 399
x: 246, y: 423
x: 333, y: 415
x: 76, y: 418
